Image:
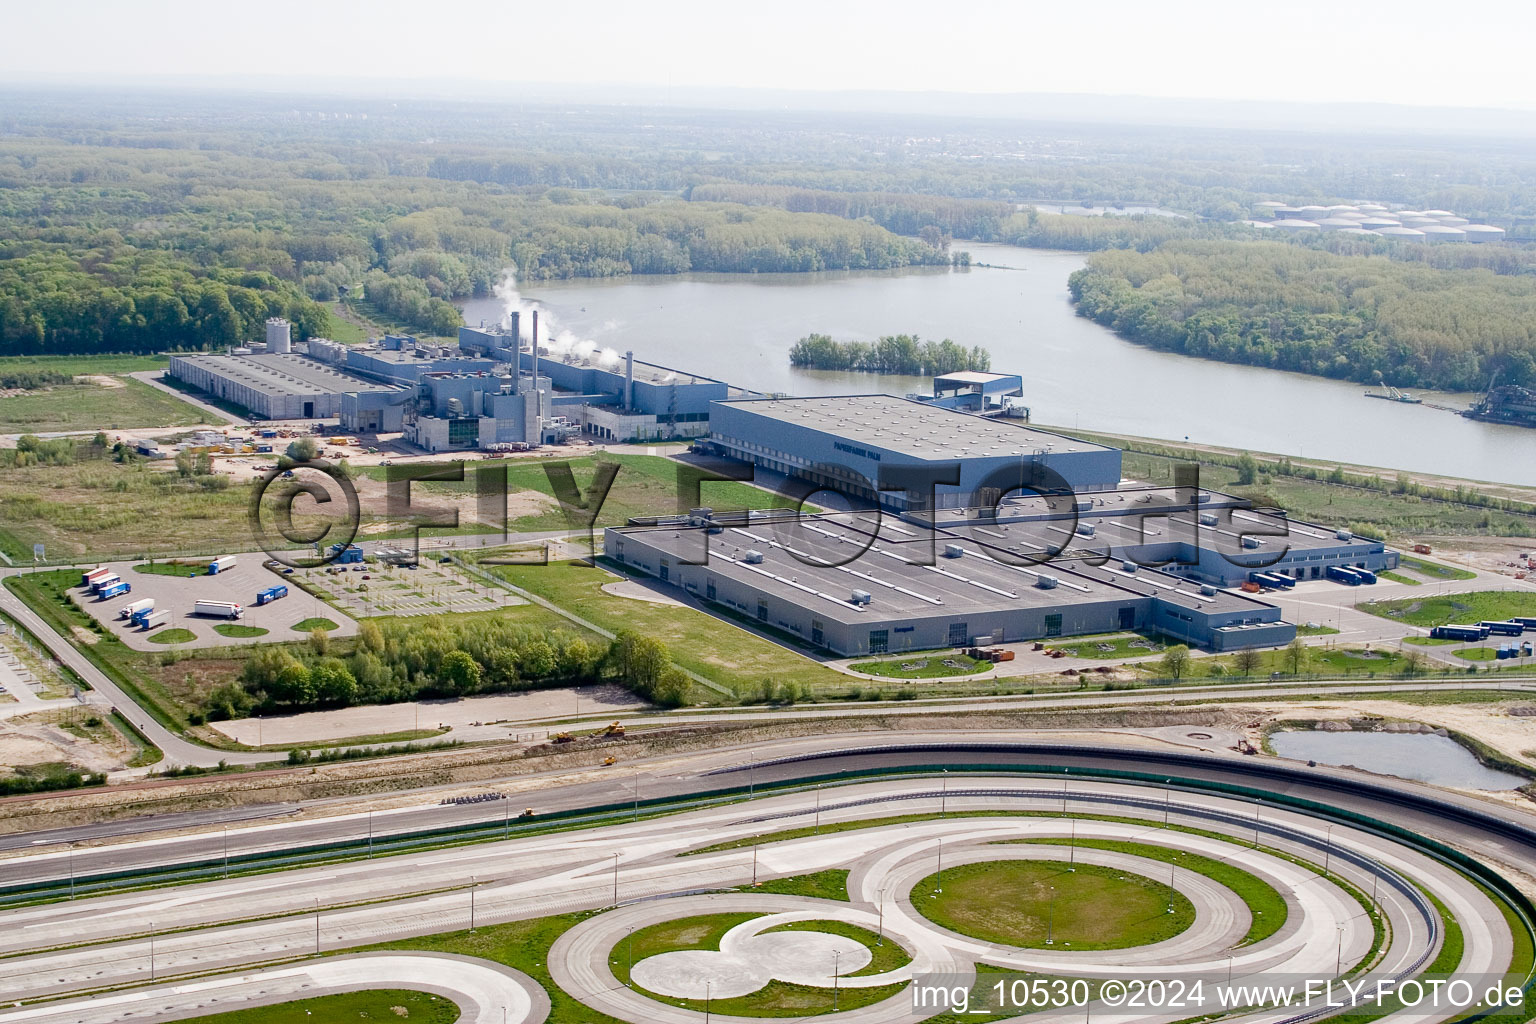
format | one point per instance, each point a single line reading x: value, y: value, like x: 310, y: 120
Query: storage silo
x: 1335, y: 224
x: 1483, y: 233
x: 1313, y: 212
x: 1438, y: 213
x: 1442, y: 233
x: 1403, y: 234
x: 1296, y: 225
x: 1453, y: 222
x: 1270, y: 204
x: 1420, y: 222
x: 1377, y: 223
x: 279, y: 335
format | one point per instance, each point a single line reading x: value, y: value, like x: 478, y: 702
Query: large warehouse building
x: 855, y: 585
x: 855, y: 443
x: 288, y: 386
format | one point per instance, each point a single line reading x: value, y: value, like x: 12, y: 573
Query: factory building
x: 978, y: 392
x: 1202, y: 535
x: 852, y: 444
x: 283, y: 385
x: 465, y: 411
x: 857, y: 585
x: 613, y: 397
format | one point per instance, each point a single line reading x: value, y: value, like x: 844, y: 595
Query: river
x: 739, y: 328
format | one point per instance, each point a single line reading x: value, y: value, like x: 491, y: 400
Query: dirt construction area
x: 180, y: 594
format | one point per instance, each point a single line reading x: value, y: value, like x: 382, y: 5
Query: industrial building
x: 856, y: 585
x: 283, y: 385
x: 857, y: 444
x: 1201, y: 535
x: 979, y: 392
x: 476, y: 410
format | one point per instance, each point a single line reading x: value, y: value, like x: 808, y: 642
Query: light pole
x: 1229, y: 970
x: 1328, y: 852
x: 940, y: 879
x: 1338, y: 967
x: 370, y: 837
x: 706, y: 1002
x: 1255, y: 824
x: 1173, y: 866
x: 151, y: 951
x: 880, y: 935
x: 1072, y: 848
x: 506, y: 816
x: 1167, y: 800
x: 471, y: 904
x: 837, y: 956
x: 818, y: 808
x: 72, y: 870
x: 1050, y: 919
x: 226, y: 851
x: 629, y: 957
x: 752, y: 779
x: 317, y: 925
x: 754, y: 864
x: 615, y: 879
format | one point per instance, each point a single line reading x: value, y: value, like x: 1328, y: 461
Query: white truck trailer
x: 217, y: 609
x: 132, y: 608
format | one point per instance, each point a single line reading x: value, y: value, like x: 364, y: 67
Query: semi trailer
x: 217, y: 609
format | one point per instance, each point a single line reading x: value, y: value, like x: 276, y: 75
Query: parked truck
x: 92, y: 575
x: 117, y: 589
x: 217, y: 609
x: 271, y: 594
x: 152, y: 619
x: 223, y: 563
x: 132, y: 608
x: 100, y: 583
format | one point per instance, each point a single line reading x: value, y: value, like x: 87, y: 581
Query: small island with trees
x: 893, y: 353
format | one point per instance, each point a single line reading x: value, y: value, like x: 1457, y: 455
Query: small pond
x: 1423, y: 757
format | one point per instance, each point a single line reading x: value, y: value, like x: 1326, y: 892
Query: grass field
x: 1429, y: 641
x: 182, y: 568
x: 1105, y: 648
x: 1436, y: 571
x: 346, y: 1008
x: 175, y: 635
x: 1447, y: 608
x: 697, y: 641
x: 886, y: 954
x: 315, y: 622
x: 831, y: 884
x: 1314, y: 629
x: 235, y: 629
x: 646, y: 485
x: 1476, y: 653
x: 1396, y: 577
x: 103, y: 364
x: 1265, y: 904
x: 93, y: 406
x: 1028, y: 902
x: 919, y: 666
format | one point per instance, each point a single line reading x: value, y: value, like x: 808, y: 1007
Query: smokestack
x: 516, y: 320
x: 629, y: 381
x: 538, y: 397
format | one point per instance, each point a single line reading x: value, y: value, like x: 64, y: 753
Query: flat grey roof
x: 820, y: 560
x: 975, y: 377
x: 915, y: 429
x: 286, y: 374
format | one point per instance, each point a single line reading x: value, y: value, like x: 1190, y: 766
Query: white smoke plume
x: 558, y: 341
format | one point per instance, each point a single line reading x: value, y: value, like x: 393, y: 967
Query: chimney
x: 538, y: 397
x: 629, y: 381
x: 516, y: 320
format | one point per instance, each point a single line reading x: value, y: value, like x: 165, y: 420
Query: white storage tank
x: 1336, y: 224
x: 1453, y: 222
x: 279, y: 335
x: 1441, y: 233
x: 1420, y: 222
x: 1296, y: 225
x: 1483, y: 233
x: 1438, y: 213
x: 1377, y: 223
x: 1402, y: 234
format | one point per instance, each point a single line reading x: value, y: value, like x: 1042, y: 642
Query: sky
x: 1468, y: 54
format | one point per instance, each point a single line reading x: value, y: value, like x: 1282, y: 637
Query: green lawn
x: 1397, y: 577
x: 1434, y: 570
x: 346, y: 1008
x: 702, y: 932
x: 646, y: 485
x: 235, y: 629
x: 931, y: 666
x: 1459, y: 608
x: 700, y: 642
x: 1024, y: 902
x: 1429, y: 641
x: 831, y: 884
x: 184, y: 568
x: 313, y: 623
x: 1314, y: 629
x: 1267, y: 906
x: 103, y: 364
x: 176, y: 635
x: 1476, y: 653
x: 91, y: 406
x: 1105, y: 648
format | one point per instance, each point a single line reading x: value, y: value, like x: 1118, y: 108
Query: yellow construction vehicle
x: 616, y: 729
x: 610, y: 760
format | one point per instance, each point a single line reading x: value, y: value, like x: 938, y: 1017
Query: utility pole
x: 754, y: 865
x: 880, y: 936
x: 317, y: 925
x: 837, y: 956
x: 151, y: 951
x: 1050, y: 919
x: 472, y: 904
x: 1328, y: 852
x: 941, y: 867
x: 706, y: 1002
x: 615, y: 879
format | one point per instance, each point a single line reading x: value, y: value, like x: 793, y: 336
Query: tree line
x: 1290, y: 307
x: 892, y: 353
x: 439, y: 657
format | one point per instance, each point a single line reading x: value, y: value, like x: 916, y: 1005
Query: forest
x: 1291, y: 307
x: 893, y: 353
x: 142, y: 222
x: 440, y: 657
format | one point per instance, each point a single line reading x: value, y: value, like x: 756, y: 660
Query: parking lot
x: 433, y: 588
x: 179, y: 593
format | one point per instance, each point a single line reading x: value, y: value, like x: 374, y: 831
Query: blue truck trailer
x: 117, y: 589
x: 1458, y: 633
x: 1503, y: 628
x: 271, y: 594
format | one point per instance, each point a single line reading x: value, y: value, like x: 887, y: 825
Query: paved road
x: 486, y: 992
x: 101, y: 942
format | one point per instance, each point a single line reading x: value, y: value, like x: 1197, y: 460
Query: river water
x: 739, y: 328
x: 1423, y: 757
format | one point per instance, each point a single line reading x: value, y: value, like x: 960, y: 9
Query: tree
x: 333, y: 682
x: 1296, y: 655
x: 1246, y: 661
x: 303, y: 449
x: 638, y: 661
x: 184, y: 462
x: 459, y: 673
x: 1247, y: 469
x: 1175, y: 661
